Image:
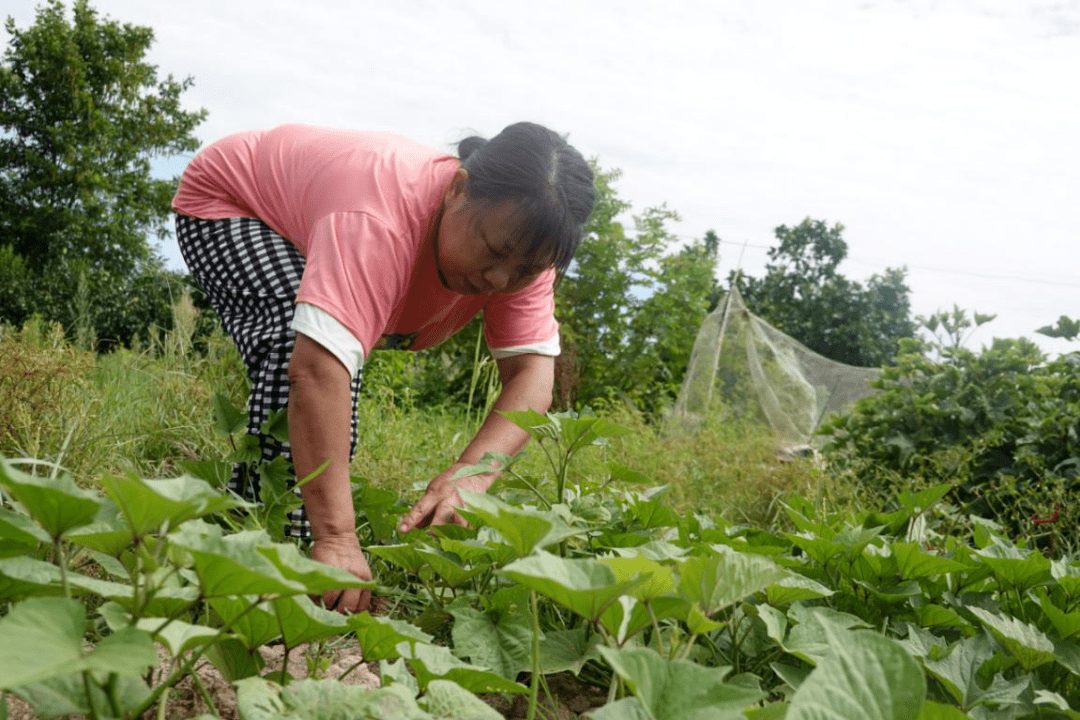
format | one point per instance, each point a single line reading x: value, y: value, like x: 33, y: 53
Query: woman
x: 316, y: 246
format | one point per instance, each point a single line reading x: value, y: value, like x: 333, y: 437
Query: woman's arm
x: 527, y: 382
x: 320, y: 420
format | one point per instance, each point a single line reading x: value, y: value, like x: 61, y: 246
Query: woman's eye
x: 499, y: 253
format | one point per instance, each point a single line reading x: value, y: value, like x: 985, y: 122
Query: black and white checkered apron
x: 250, y: 275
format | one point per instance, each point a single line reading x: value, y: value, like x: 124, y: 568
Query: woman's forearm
x: 320, y: 418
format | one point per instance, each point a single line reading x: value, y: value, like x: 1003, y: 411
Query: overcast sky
x: 943, y: 134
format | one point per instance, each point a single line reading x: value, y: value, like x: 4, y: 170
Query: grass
x: 147, y: 410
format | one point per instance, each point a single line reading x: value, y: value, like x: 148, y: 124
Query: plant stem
x: 534, y: 684
x: 61, y: 560
x: 89, y: 695
x: 205, y: 694
x: 184, y: 670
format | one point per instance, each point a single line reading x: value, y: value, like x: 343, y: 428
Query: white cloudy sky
x: 943, y: 134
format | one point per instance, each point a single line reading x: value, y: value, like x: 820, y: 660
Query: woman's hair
x: 548, y: 178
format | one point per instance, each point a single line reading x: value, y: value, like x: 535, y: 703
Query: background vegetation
x: 110, y: 365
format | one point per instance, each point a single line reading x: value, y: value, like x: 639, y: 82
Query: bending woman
x: 317, y: 246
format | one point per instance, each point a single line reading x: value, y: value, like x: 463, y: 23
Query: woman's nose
x: 499, y: 277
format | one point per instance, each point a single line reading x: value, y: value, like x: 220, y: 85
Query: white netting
x: 743, y: 367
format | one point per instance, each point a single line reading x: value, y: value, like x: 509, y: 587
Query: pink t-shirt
x: 357, y: 207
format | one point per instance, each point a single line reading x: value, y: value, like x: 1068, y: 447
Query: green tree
x: 663, y: 328
x: 998, y: 424
x: 82, y: 114
x: 804, y: 295
x: 630, y: 305
x: 1066, y: 328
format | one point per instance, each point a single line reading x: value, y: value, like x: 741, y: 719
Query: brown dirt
x: 572, y: 698
x: 185, y: 701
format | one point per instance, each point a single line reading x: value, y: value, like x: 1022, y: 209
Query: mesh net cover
x: 743, y: 367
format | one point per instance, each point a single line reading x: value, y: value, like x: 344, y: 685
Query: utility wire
x: 924, y: 268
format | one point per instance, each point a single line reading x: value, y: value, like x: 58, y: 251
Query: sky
x: 944, y: 135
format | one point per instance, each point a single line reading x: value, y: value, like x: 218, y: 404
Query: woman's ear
x: 457, y: 193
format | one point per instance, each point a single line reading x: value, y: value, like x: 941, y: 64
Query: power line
x: 924, y: 268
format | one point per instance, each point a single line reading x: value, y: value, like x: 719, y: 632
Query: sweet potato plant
x: 677, y: 617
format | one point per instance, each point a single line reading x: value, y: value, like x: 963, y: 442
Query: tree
x: 629, y: 307
x: 81, y: 116
x: 666, y: 323
x: 805, y: 296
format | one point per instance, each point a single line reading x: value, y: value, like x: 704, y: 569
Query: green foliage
x: 1000, y: 426
x: 82, y: 114
x: 1066, y: 327
x: 630, y: 306
x: 805, y: 296
x: 866, y: 614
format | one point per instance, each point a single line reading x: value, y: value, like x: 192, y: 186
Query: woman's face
x: 479, y: 249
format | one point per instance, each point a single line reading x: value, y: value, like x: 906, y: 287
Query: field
x: 616, y: 572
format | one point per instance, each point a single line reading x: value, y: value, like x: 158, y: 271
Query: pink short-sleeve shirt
x: 357, y: 206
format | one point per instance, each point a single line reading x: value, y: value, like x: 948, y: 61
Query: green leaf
x: 43, y: 638
x: 233, y: 660
x: 19, y: 534
x: 57, y: 504
x: 621, y: 473
x: 538, y: 425
x: 177, y: 635
x: 277, y: 425
x: 453, y: 574
x: 1067, y: 575
x: 626, y: 709
x: 151, y: 506
x: 936, y: 711
x: 111, y: 537
x: 228, y: 419
x: 404, y: 556
x: 22, y: 577
x: 1012, y: 568
x: 794, y: 588
x: 260, y: 699
x: 866, y: 675
x: 1025, y: 642
x: 658, y: 550
x: 377, y: 505
x: 808, y: 639
x: 679, y: 689
x: 657, y: 579
x: 302, y: 621
x: 523, y: 529
x: 379, y: 637
x: 446, y: 700
x: 1066, y: 624
x: 315, y: 577
x: 958, y: 670
x: 254, y: 626
x: 232, y: 565
x: 915, y: 564
x: 568, y: 650
x: 725, y: 577
x: 585, y: 586
x: 431, y: 662
x: 498, y: 640
x: 937, y: 616
x: 65, y: 695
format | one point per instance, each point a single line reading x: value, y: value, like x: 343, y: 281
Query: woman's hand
x: 344, y: 552
x: 440, y: 502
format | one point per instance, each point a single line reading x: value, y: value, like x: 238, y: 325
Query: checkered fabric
x: 250, y: 275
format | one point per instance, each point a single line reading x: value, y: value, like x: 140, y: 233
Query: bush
x: 1000, y: 426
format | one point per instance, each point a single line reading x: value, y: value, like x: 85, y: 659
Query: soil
x: 185, y: 701
x: 571, y: 697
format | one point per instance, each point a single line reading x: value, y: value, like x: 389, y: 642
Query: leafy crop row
x: 676, y: 617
